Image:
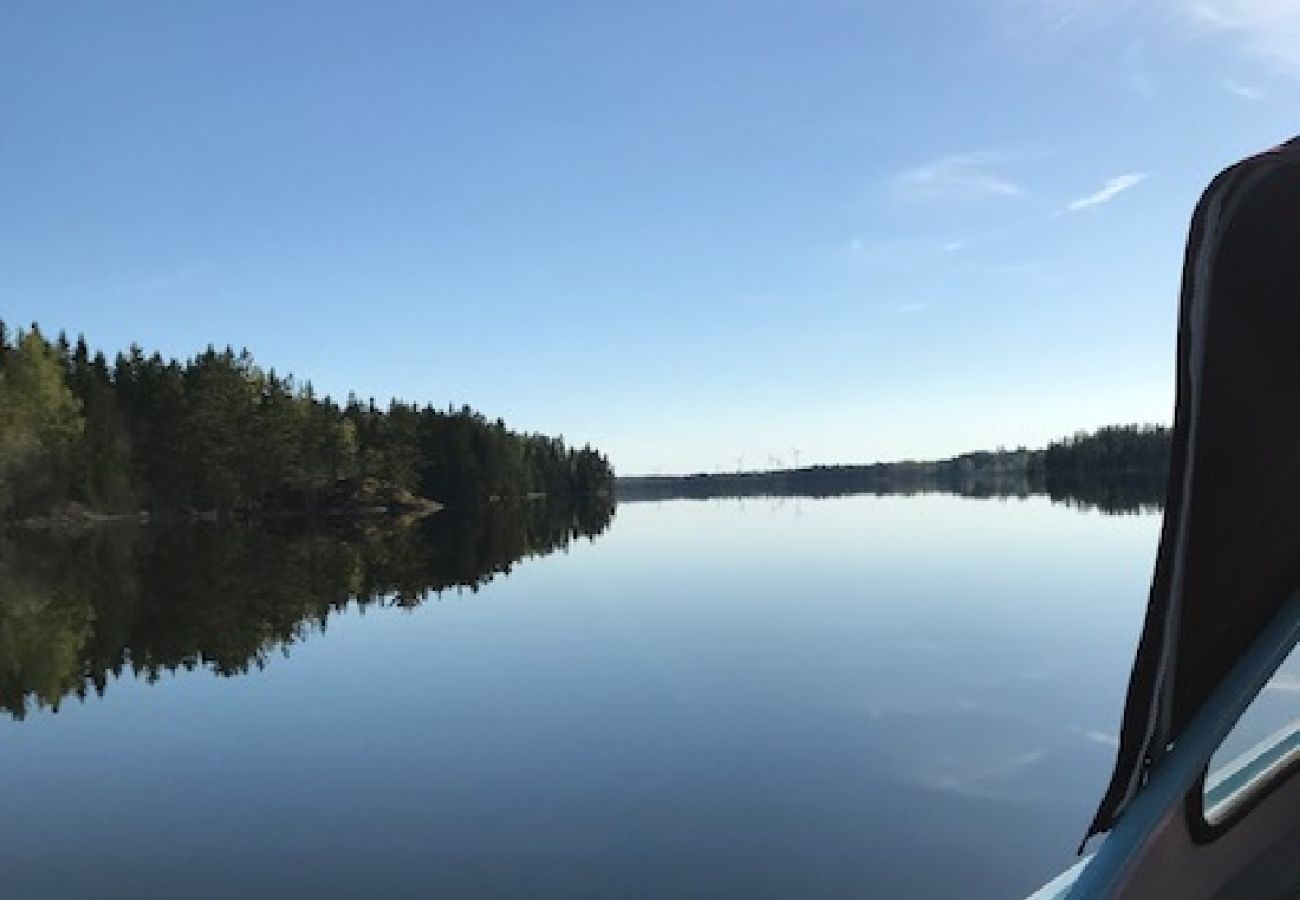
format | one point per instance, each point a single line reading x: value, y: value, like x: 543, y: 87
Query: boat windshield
x: 1261, y: 748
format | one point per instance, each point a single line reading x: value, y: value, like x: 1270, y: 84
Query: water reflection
x: 78, y: 611
x: 868, y: 697
x: 1131, y: 494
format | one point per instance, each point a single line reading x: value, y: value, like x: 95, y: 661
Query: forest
x: 1115, y: 449
x: 220, y: 435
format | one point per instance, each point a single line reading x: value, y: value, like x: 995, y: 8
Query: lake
x: 852, y: 697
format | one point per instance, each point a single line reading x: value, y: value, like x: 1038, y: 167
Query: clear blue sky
x: 690, y: 232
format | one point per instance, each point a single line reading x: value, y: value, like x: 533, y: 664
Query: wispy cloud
x: 1062, y: 19
x: 1267, y: 29
x: 959, y: 175
x: 1056, y: 15
x: 1108, y: 192
x: 1052, y: 15
x: 1245, y: 91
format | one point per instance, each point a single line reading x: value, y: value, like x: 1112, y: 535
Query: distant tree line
x: 1117, y: 469
x: 218, y: 432
x: 972, y: 474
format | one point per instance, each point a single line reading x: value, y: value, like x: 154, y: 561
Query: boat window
x: 1262, y: 746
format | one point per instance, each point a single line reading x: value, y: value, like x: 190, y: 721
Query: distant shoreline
x: 1113, y: 492
x: 1118, y: 468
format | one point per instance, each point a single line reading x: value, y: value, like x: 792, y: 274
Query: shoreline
x: 80, y: 519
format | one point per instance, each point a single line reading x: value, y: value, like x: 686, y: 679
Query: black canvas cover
x: 1230, y: 546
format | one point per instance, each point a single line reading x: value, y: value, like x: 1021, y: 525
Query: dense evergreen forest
x: 80, y: 610
x: 217, y: 433
x: 1115, y: 449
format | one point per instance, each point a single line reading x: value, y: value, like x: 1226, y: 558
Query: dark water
x: 860, y: 697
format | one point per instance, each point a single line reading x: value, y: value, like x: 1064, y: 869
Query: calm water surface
x: 861, y: 697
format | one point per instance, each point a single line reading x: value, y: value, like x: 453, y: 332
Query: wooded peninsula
x: 217, y: 435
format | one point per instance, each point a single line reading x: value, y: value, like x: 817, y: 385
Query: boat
x: 1223, y: 615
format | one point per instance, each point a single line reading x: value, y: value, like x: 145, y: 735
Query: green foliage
x: 218, y: 433
x: 40, y: 423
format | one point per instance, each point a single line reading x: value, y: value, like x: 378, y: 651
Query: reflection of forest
x: 1117, y: 494
x: 76, y: 611
x: 1113, y: 493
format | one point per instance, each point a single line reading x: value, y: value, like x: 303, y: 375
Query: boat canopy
x: 1229, y: 554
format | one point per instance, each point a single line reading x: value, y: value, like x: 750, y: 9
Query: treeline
x: 973, y: 474
x: 1113, y: 450
x: 1116, y: 469
x: 219, y: 433
x: 78, y: 611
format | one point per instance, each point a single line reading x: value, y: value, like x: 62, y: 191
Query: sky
x: 698, y: 234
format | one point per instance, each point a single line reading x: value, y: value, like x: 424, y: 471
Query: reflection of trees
x: 1117, y: 494
x: 76, y: 611
x: 41, y: 643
